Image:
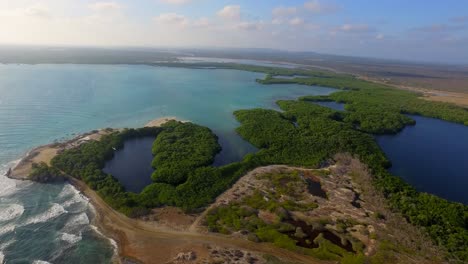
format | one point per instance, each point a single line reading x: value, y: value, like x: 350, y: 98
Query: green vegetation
x: 87, y: 161
x: 321, y: 132
x: 376, y: 108
x: 303, y: 135
x: 195, y: 185
x: 283, y: 194
x: 180, y: 149
x: 41, y: 172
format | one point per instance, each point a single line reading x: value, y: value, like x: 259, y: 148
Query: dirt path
x: 143, y: 241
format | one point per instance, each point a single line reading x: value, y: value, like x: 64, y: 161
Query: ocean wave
x: 111, y: 241
x: 7, y: 185
x: 73, y: 201
x: 40, y: 262
x: 73, y: 197
x: 70, y: 238
x: 2, y: 257
x: 11, y: 212
x: 6, y: 244
x: 7, y: 229
x: 77, y: 220
x: 53, y: 212
x: 67, y: 191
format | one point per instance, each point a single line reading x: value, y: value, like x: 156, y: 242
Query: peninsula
x: 317, y: 190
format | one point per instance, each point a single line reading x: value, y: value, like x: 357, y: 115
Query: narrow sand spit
x: 47, y: 152
x: 161, y: 121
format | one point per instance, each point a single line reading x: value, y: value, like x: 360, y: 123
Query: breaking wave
x: 53, y: 212
x: 70, y: 238
x: 40, y: 262
x: 11, y: 212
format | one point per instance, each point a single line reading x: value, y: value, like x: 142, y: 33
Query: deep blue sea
x: 42, y: 103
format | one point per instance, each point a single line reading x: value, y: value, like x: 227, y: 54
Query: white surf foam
x: 40, y: 262
x: 72, y: 201
x: 77, y: 220
x: 74, y: 197
x: 7, y: 185
x: 111, y: 241
x: 70, y: 238
x: 7, y: 244
x: 11, y: 212
x: 5, y: 229
x: 53, y: 212
x: 67, y: 191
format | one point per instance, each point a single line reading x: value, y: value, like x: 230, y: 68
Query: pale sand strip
x: 47, y: 152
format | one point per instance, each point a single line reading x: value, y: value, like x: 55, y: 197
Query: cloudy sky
x: 428, y: 30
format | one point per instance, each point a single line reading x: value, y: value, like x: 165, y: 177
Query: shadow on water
x: 331, y: 104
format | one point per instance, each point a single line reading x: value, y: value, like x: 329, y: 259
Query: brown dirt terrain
x: 351, y: 210
x: 142, y: 241
x: 457, y: 98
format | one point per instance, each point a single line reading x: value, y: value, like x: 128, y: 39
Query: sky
x: 418, y: 30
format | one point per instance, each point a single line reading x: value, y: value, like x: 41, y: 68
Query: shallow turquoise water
x: 43, y: 103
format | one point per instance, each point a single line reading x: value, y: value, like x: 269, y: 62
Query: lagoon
x: 432, y: 156
x: 132, y: 164
x: 43, y: 103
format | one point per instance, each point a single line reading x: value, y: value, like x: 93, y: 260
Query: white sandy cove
x: 161, y: 121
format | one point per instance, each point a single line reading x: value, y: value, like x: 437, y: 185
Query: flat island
x: 317, y: 191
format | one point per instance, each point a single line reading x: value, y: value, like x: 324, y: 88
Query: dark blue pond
x: 432, y: 156
x: 332, y: 104
x: 131, y: 165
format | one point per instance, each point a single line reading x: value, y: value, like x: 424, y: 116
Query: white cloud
x: 105, y: 6
x: 317, y: 7
x: 202, y: 22
x: 297, y: 21
x: 230, y: 12
x: 176, y: 2
x: 282, y: 11
x: 38, y: 11
x: 357, y: 28
x: 277, y: 21
x: 250, y: 25
x: 172, y: 19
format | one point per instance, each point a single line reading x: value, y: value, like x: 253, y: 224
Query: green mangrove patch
x: 303, y: 134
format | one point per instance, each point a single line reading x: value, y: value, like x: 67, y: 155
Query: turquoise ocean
x: 39, y: 104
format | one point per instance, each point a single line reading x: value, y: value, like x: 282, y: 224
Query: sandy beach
x: 167, y: 236
x: 161, y: 121
x: 47, y: 152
